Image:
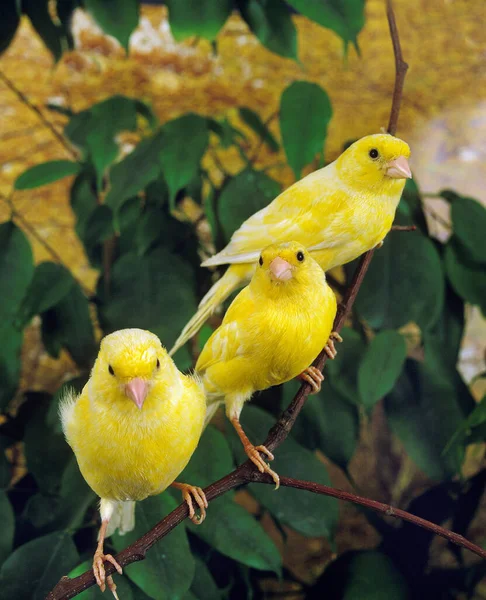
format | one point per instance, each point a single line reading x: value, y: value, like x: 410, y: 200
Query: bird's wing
x: 306, y: 213
x: 226, y: 342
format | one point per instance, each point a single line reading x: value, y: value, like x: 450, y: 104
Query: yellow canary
x: 337, y: 212
x: 271, y: 333
x: 133, y: 429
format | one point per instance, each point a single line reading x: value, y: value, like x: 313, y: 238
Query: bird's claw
x: 254, y: 455
x: 99, y: 572
x: 313, y: 377
x: 188, y: 493
x: 329, y: 348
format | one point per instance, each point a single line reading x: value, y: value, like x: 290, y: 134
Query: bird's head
x: 378, y: 162
x: 130, y: 362
x: 286, y: 266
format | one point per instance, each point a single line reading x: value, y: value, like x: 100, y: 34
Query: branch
x: 400, y: 69
x: 246, y: 473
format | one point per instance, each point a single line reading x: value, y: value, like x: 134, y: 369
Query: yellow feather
x: 127, y: 453
x: 337, y: 212
x: 272, y: 331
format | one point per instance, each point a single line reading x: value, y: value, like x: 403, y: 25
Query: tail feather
x: 123, y: 518
x: 234, y: 278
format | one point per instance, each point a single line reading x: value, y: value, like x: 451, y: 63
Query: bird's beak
x: 280, y: 269
x: 137, y: 390
x: 399, y: 168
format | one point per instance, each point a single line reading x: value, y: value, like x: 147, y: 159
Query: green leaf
x: 305, y: 112
x: 36, y: 567
x: 118, y: 18
x: 16, y: 270
x: 467, y: 278
x: 411, y: 205
x: 134, y: 172
x: 99, y: 228
x: 363, y: 575
x: 227, y: 134
x: 83, y: 199
x: 443, y: 341
x: 46, y: 173
x: 68, y: 324
x: 46, y: 451
x: 246, y: 193
x: 253, y: 120
x: 51, y: 282
x: 235, y: 533
x: 469, y: 223
x: 404, y: 283
x: 307, y: 513
x: 12, y: 340
x: 51, y: 34
x: 343, y: 370
x: 184, y: 143
x: 345, y: 17
x: 153, y: 292
x: 474, y: 420
x: 7, y: 527
x: 201, y: 18
x: 9, y: 22
x: 168, y: 568
x: 424, y: 411
x: 109, y: 118
x: 271, y: 22
x: 203, y: 586
x: 381, y: 367
x: 328, y: 422
x: 211, y: 460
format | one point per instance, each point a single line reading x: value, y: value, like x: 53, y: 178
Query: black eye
x: 300, y: 256
x: 158, y: 364
x: 110, y: 369
x: 260, y: 261
x: 374, y: 153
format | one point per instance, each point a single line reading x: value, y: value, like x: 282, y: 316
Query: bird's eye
x: 260, y: 261
x: 110, y: 370
x: 374, y: 153
x: 158, y: 364
x: 300, y: 256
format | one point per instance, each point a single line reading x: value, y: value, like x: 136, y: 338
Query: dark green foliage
x: 305, y: 111
x: 128, y: 218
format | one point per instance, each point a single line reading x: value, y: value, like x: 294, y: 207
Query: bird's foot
x: 190, y: 492
x: 329, y: 348
x: 313, y: 377
x: 99, y: 571
x: 253, y: 453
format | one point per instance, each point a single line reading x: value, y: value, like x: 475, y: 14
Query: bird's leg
x: 98, y: 566
x: 329, y: 347
x: 313, y: 377
x: 253, y: 452
x: 188, y: 493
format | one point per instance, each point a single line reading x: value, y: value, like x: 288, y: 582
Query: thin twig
x: 23, y: 98
x: 400, y: 69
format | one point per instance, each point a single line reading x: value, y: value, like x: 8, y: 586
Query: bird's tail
x: 123, y: 518
x: 234, y: 278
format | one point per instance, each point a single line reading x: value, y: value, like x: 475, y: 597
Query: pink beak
x: 137, y: 390
x: 281, y: 269
x: 399, y: 169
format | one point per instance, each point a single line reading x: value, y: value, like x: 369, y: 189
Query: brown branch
x: 400, y: 69
x: 23, y: 98
x: 245, y: 473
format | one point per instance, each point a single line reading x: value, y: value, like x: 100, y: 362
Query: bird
x: 133, y: 429
x: 271, y: 333
x: 337, y: 212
